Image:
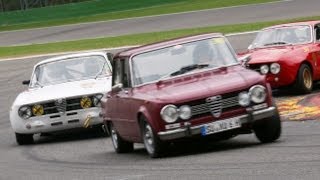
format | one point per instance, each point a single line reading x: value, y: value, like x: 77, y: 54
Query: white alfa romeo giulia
x: 64, y: 93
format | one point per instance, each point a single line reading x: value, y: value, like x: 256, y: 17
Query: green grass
x: 136, y: 39
x: 99, y: 10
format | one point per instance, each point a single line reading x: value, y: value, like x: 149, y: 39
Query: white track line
x: 62, y: 53
x: 104, y: 49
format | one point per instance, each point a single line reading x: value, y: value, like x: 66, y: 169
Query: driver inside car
x: 203, y: 54
x: 58, y: 72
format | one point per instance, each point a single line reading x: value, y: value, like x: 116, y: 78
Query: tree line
x: 11, y: 5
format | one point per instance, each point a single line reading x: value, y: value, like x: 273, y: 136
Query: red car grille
x: 215, y: 107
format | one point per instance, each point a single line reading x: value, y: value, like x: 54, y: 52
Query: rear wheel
x: 120, y: 145
x: 268, y: 130
x: 152, y: 143
x: 24, y: 139
x: 304, y: 82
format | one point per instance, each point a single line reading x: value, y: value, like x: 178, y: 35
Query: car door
x: 113, y: 108
x: 316, y: 51
x: 123, y: 101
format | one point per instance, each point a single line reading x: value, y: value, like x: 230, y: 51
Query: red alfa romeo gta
x: 288, y: 54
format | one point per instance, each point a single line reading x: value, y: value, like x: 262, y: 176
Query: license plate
x: 220, y: 126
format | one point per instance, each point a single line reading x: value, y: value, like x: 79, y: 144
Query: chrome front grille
x: 230, y: 102
x: 61, y: 105
x: 215, y: 105
x: 200, y: 109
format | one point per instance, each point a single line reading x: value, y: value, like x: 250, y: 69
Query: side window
x: 117, y: 72
x: 126, y: 74
x: 121, y: 73
x: 317, y: 32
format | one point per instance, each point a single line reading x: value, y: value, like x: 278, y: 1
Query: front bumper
x: 196, y: 130
x: 57, y: 122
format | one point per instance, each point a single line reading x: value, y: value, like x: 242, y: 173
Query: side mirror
x: 244, y: 59
x: 26, y: 82
x: 250, y: 47
x: 117, y: 87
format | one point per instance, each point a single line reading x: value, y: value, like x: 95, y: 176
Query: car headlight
x: 25, y: 112
x: 169, y: 113
x: 275, y: 68
x: 264, y: 69
x: 97, y: 100
x: 244, y: 99
x: 258, y: 94
x: 85, y: 102
x: 37, y: 110
x: 185, y: 112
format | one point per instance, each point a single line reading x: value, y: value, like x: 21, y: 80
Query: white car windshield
x: 283, y: 36
x: 182, y: 58
x: 71, y: 69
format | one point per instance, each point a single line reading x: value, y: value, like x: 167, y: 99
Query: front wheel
x: 120, y: 145
x: 304, y: 82
x: 268, y: 130
x: 152, y: 143
x: 24, y: 139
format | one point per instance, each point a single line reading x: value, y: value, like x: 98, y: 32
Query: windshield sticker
x: 218, y: 41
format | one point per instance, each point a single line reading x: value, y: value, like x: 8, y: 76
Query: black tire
x: 154, y: 146
x: 24, y: 139
x: 120, y: 145
x: 304, y: 82
x: 99, y: 130
x: 268, y: 130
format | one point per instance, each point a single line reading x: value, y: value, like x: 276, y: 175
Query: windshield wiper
x: 277, y: 43
x: 39, y: 84
x: 185, y: 69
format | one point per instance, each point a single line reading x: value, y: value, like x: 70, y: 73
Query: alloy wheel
x: 307, y: 78
x: 148, y: 138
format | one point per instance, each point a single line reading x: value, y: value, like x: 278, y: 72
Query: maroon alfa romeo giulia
x: 187, y: 87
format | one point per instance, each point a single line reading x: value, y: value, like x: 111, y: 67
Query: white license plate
x: 219, y: 126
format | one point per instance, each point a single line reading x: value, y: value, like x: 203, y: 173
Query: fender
x: 143, y: 110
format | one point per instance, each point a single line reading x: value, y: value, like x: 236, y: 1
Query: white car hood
x: 63, y: 90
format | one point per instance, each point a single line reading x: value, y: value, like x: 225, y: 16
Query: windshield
x: 182, y: 58
x: 283, y: 36
x: 71, y: 69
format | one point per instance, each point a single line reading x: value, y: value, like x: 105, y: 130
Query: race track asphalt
x: 85, y: 156
x: 285, y: 9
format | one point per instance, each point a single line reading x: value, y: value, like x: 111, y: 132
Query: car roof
x: 312, y: 23
x: 167, y: 43
x: 58, y: 58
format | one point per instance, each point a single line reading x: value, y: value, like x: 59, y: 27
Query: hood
x: 63, y: 90
x: 198, y: 86
x: 269, y: 55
